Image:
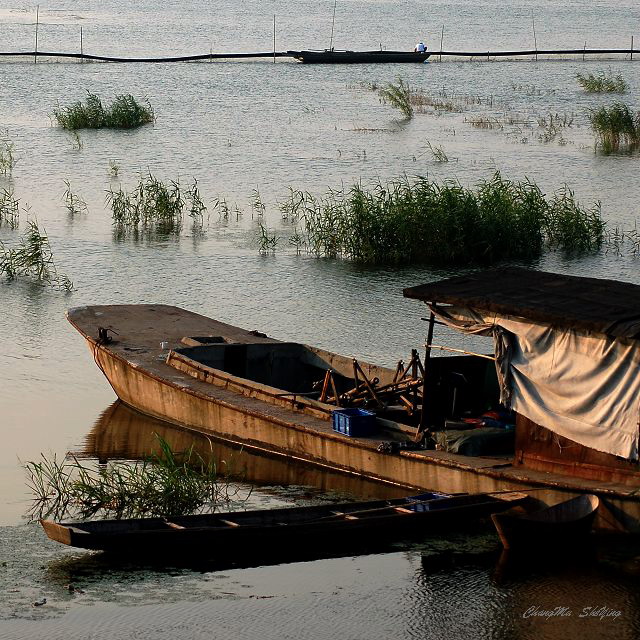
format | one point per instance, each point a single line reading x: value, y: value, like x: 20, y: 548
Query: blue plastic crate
x: 354, y: 422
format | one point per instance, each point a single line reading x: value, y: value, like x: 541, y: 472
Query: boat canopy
x: 567, y: 348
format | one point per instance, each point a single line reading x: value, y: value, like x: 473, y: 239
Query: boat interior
x: 461, y: 389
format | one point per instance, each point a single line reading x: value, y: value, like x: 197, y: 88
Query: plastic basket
x: 353, y: 422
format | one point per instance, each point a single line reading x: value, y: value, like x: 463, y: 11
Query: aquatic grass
x: 615, y: 126
x: 603, y: 82
x: 552, y: 126
x: 125, y: 112
x: 73, y: 202
x: 421, y: 221
x: 398, y: 95
x: 7, y: 158
x: 438, y: 153
x: 157, y: 204
x: 267, y: 240
x: 114, y: 169
x: 166, y: 483
x: 9, y: 209
x: 32, y: 258
x: 196, y: 206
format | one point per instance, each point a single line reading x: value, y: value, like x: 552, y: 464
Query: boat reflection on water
x: 122, y: 433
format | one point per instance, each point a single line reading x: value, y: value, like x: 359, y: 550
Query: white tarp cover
x: 581, y: 385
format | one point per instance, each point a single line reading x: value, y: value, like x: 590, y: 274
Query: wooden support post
x: 631, y: 58
x: 427, y: 354
x: 584, y: 50
x: 535, y: 40
x: 333, y: 24
x: 325, y: 386
x: 81, y: 47
x: 35, y: 57
x: 274, y: 38
x: 441, y: 39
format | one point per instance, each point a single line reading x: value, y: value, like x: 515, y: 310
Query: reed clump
x: 7, y: 157
x: 602, y: 82
x: 72, y: 201
x: 421, y: 221
x: 156, y: 204
x: 125, y: 112
x: 9, y: 209
x: 163, y: 484
x: 398, y: 95
x: 615, y: 126
x: 32, y: 258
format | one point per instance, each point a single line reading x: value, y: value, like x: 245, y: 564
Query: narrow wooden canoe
x: 332, y: 56
x: 328, y: 525
x: 565, y: 523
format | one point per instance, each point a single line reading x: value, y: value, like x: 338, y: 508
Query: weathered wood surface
x: 135, y: 365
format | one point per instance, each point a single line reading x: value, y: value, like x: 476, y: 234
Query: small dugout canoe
x: 565, y: 523
x: 273, y: 529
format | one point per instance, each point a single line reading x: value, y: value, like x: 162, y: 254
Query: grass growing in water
x: 615, y: 126
x: 421, y: 221
x: 73, y: 202
x: 9, y: 209
x: 125, y: 112
x: 157, y: 204
x: 7, y: 159
x: 32, y: 258
x: 603, y: 83
x: 398, y: 95
x: 267, y: 241
x: 164, y: 484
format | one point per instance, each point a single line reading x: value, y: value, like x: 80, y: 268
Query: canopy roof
x: 604, y: 306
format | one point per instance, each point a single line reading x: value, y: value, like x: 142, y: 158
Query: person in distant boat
x: 420, y: 47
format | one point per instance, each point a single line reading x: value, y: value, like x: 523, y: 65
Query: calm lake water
x: 242, y: 126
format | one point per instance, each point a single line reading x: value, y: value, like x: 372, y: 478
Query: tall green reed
x: 32, y: 258
x: 166, y: 483
x: 125, y: 112
x: 420, y: 221
x: 615, y: 126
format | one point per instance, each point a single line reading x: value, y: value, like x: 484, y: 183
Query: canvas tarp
x: 581, y: 385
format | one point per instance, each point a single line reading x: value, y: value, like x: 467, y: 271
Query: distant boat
x: 565, y: 523
x: 333, y: 56
x: 271, y: 529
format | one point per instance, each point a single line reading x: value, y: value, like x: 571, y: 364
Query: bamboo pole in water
x: 441, y: 39
x: 81, y: 47
x: 333, y: 24
x: 274, y: 38
x: 631, y: 58
x: 535, y: 40
x: 35, y: 56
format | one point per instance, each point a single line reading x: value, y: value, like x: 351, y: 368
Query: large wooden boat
x: 333, y: 56
x: 271, y: 529
x: 565, y: 524
x: 256, y: 392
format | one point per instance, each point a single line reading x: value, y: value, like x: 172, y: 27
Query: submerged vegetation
x: 157, y: 204
x: 167, y: 483
x: 125, y: 112
x: 603, y: 83
x: 420, y: 221
x: 32, y: 258
x: 615, y: 127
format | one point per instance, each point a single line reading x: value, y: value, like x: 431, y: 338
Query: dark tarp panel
x: 603, y: 306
